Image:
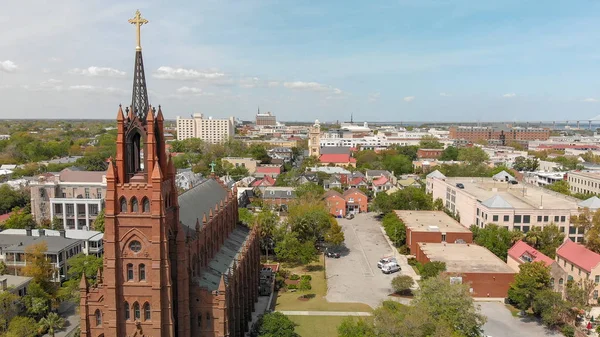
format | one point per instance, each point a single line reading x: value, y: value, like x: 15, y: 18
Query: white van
x: 385, y: 261
x: 390, y: 267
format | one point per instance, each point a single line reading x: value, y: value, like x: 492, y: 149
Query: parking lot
x: 355, y: 277
x: 501, y: 323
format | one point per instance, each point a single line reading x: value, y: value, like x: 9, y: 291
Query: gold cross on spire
x: 138, y: 21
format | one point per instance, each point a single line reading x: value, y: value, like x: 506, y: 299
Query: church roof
x: 591, y: 203
x: 496, y: 202
x: 199, y: 200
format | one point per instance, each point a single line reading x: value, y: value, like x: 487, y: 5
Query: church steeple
x: 139, y: 98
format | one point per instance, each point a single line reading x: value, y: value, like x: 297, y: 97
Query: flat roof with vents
x: 430, y: 221
x: 465, y: 258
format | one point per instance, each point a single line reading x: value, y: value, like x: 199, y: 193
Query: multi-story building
x: 74, y: 197
x: 580, y: 264
x: 265, y: 119
x: 503, y: 135
x: 432, y: 227
x: 481, y: 201
x: 210, y: 130
x: 540, y: 178
x: 314, y: 140
x: 15, y: 284
x: 584, y: 182
x: 91, y: 240
x: 249, y: 163
x: 521, y: 253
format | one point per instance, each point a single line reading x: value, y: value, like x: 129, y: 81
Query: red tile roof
x: 5, y: 217
x: 355, y: 181
x: 578, y: 255
x: 336, y: 158
x: 332, y: 193
x: 380, y: 181
x: 266, y: 181
x: 352, y: 190
x: 268, y: 169
x: 520, y: 248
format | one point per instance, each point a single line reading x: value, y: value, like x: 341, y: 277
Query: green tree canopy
x: 410, y: 198
x: 546, y: 239
x: 402, y: 283
x: 432, y: 269
x: 276, y: 324
x: 496, y: 239
x: 449, y: 153
x: 292, y: 250
x: 472, y: 155
x: 531, y: 279
x: 430, y: 142
x: 52, y: 322
x: 19, y: 218
x: 526, y: 164
x: 394, y: 228
x: 99, y: 222
x: 335, y: 235
x: 21, y: 326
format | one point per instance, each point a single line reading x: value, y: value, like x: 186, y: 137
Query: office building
x: 584, y: 182
x: 210, y: 130
x: 503, y: 135
x: 580, y: 264
x: 265, y: 119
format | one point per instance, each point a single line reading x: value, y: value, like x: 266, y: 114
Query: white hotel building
x: 210, y: 130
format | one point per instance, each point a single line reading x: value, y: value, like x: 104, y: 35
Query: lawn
x: 288, y: 301
x: 322, y: 326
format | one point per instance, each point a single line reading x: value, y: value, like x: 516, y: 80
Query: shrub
x: 306, y: 277
x: 412, y: 261
x: 304, y: 285
x: 292, y: 286
x: 568, y: 331
x: 403, y: 250
x: 294, y: 277
x: 308, y: 296
x: 401, y: 284
x: 283, y: 273
x: 279, y: 282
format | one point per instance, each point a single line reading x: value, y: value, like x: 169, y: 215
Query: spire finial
x: 138, y: 21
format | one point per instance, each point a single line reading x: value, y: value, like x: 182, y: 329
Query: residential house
x: 185, y: 179
x: 268, y: 170
x: 92, y: 241
x: 357, y: 180
x: 284, y: 153
x: 408, y: 182
x: 429, y: 153
x: 15, y: 284
x: 332, y: 182
x: 521, y: 253
x: 308, y: 177
x: 580, y: 264
x: 381, y: 184
x: 356, y: 201
x: 337, y: 156
x: 249, y: 163
x: 336, y: 203
x: 266, y: 181
x: 278, y: 197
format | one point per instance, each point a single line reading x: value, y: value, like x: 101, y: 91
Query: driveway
x: 501, y: 323
x: 355, y: 277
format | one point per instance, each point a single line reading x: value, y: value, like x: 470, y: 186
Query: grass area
x: 289, y: 300
x: 513, y: 311
x: 322, y: 326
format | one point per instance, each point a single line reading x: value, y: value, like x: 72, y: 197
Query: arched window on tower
x: 123, y: 203
x: 146, y: 205
x: 147, y: 312
x: 142, y: 272
x: 135, y: 153
x: 129, y: 272
x: 98, y: 315
x: 136, y: 311
x: 126, y: 310
x: 134, y: 205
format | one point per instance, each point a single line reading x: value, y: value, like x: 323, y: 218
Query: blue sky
x: 420, y: 60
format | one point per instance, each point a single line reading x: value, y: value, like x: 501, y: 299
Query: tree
x: 93, y: 162
x: 402, y: 284
x: 449, y: 303
x: 37, y: 300
x: 449, y: 153
x: 495, y: 238
x: 430, y: 142
x: 561, y: 186
x: 472, y: 155
x: 309, y: 219
x: 19, y: 219
x: 10, y: 198
x: 259, y: 152
x: 246, y: 216
x: 292, y: 250
x: 22, y: 327
x: 335, y: 235
x: 52, y: 322
x: 276, y: 324
x: 38, y: 266
x: 551, y: 308
x: 432, y: 269
x: 410, y: 198
x: 546, y: 239
x: 590, y: 222
x: 310, y: 191
x: 99, y: 222
x: 579, y: 293
x: 531, y: 279
x: 394, y: 228
x: 355, y: 328
x: 399, y: 164
x: 525, y: 164
x: 9, y: 308
x: 3, y: 268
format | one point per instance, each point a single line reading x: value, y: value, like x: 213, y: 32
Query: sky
x: 382, y: 60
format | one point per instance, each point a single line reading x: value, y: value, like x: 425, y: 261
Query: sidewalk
x: 325, y: 313
x: 402, y: 261
x: 68, y: 311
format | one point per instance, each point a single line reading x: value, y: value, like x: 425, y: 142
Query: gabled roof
x: 356, y: 181
x: 353, y: 190
x: 379, y: 181
x: 578, y: 255
x: 199, y: 200
x: 436, y: 174
x: 332, y: 193
x: 336, y: 158
x: 279, y: 193
x: 265, y: 181
x: 496, y: 202
x: 520, y: 248
x: 335, y: 150
x: 591, y: 203
x: 503, y: 176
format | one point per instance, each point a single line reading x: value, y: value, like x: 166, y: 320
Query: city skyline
x: 410, y: 61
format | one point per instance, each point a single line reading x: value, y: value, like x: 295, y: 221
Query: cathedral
x: 174, y: 265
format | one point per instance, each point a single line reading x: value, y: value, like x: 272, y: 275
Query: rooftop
x: 593, y: 175
x: 578, y: 255
x: 518, y: 196
x: 519, y: 249
x: 18, y: 243
x: 430, y: 221
x: 13, y: 281
x: 465, y: 258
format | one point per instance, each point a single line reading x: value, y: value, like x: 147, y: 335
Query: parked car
x: 330, y: 253
x: 460, y: 185
x: 350, y: 216
x: 390, y: 267
x: 513, y: 182
x: 385, y: 261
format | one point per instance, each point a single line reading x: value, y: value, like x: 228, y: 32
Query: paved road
x: 501, y: 323
x: 355, y: 277
x: 324, y: 313
x: 69, y: 312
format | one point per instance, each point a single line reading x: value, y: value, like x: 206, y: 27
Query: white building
x: 210, y: 130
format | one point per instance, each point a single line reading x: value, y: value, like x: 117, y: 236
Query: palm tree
x: 52, y: 322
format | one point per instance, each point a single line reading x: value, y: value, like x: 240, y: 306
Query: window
x: 562, y: 229
x: 123, y: 205
x: 199, y: 319
x: 130, y: 272
x: 134, y: 205
x: 526, y: 218
x: 87, y: 193
x: 570, y: 278
x: 571, y: 268
x: 556, y: 218
x: 444, y: 237
x: 126, y: 309
x: 597, y: 279
x: 478, y: 211
x: 146, y: 205
x: 136, y: 311
x: 563, y: 218
x: 517, y: 228
x: 552, y: 282
x: 142, y: 272
x: 135, y: 246
x: 98, y: 315
x: 595, y: 294
x: 208, y: 320
x: 561, y: 281
x: 525, y: 229
x: 572, y: 230
x: 545, y: 218
x: 506, y: 218
x: 98, y: 193
x: 517, y: 219
x: 147, y: 312
x: 539, y: 218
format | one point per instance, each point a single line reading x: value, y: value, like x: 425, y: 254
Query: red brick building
x: 335, y: 202
x: 173, y: 265
x: 486, y: 274
x: 356, y: 201
x: 429, y: 153
x: 432, y: 227
x: 503, y: 135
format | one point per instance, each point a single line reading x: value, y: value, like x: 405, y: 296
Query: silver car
x: 391, y: 267
x: 386, y: 260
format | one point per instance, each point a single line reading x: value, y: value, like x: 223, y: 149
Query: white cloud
x: 55, y: 59
x: 443, y: 94
x: 8, y: 66
x: 95, y: 89
x: 273, y: 84
x: 51, y: 82
x: 193, y: 91
x: 590, y: 100
x: 509, y: 95
x: 311, y: 86
x: 250, y: 82
x: 373, y: 97
x: 97, y: 72
x: 409, y: 98
x: 169, y: 73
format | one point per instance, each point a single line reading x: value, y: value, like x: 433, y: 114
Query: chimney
x: 62, y: 233
x: 3, y: 284
x: 28, y: 231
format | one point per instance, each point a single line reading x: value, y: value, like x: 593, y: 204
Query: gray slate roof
x: 436, y: 174
x: 591, y: 203
x: 335, y: 150
x: 17, y: 243
x: 199, y: 200
x: 496, y: 202
x: 503, y: 176
x: 279, y: 193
